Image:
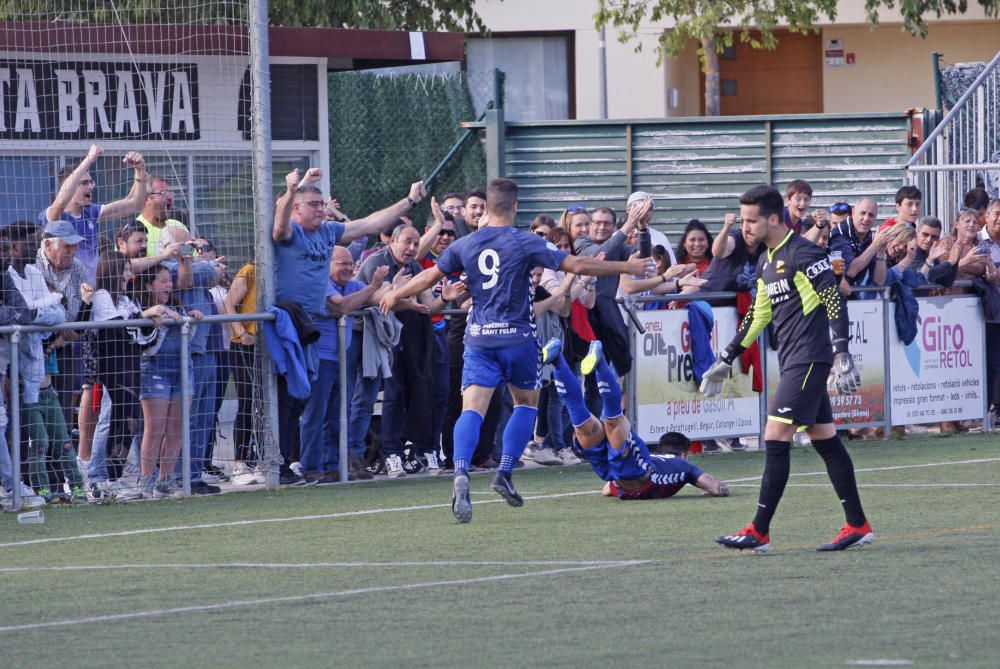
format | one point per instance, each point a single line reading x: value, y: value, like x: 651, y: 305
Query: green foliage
x: 754, y: 21
x: 388, y: 131
x: 453, y: 15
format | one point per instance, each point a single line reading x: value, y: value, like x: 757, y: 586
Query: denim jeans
x: 320, y: 433
x: 202, y: 409
x: 6, y: 465
x: 362, y: 401
x: 550, y: 417
x: 289, y: 413
x: 97, y: 470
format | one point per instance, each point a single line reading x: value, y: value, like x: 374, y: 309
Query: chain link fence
x: 387, y: 131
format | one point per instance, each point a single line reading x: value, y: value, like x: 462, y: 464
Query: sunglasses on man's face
x: 446, y: 233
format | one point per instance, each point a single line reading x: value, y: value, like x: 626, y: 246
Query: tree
x: 453, y: 15
x: 713, y: 24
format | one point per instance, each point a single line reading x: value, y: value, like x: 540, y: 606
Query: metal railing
x: 963, y: 151
x: 15, y: 333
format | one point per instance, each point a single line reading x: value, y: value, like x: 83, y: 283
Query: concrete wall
x: 892, y: 71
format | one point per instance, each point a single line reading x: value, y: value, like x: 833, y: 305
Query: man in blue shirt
x: 500, y: 342
x: 303, y: 243
x: 321, y: 418
x: 74, y: 202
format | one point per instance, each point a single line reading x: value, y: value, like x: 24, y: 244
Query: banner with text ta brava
x: 940, y: 376
x: 667, y: 396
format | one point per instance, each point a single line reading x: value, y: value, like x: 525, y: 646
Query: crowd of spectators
x: 102, y: 409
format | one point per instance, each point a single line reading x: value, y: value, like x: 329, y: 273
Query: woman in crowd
x: 695, y: 246
x: 242, y: 299
x: 160, y: 393
x: 575, y: 221
x: 542, y: 225
x: 119, y: 352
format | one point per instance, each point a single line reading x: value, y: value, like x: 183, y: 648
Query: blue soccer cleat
x: 461, y: 504
x: 589, y: 361
x: 551, y: 350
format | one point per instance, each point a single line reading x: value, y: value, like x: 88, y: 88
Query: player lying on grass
x: 613, y: 449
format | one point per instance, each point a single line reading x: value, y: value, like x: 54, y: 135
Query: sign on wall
x: 667, y: 396
x: 940, y: 375
x: 98, y: 100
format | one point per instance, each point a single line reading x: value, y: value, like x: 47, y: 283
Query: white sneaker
x: 568, y: 457
x: 395, y: 466
x: 547, y: 456
x: 243, y: 475
x: 141, y: 490
x: 29, y: 500
x: 433, y: 466
x: 802, y: 439
x: 296, y: 467
x: 529, y: 451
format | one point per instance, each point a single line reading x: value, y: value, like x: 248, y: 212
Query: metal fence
x: 963, y: 151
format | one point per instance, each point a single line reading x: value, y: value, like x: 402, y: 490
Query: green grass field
x: 381, y: 575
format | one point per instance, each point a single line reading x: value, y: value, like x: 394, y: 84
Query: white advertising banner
x: 667, y: 396
x: 940, y: 376
x: 867, y: 405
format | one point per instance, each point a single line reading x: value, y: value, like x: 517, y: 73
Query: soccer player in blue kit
x: 615, y: 452
x: 500, y: 342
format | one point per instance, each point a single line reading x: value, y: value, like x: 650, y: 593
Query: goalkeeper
x: 797, y: 291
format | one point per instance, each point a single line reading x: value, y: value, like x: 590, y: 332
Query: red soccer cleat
x: 746, y: 539
x: 850, y: 537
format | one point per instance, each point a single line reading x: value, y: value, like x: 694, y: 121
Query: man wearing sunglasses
x: 303, y: 245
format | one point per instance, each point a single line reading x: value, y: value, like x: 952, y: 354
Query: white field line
x: 882, y: 469
x: 291, y: 519
x: 327, y: 565
x: 880, y: 485
x: 313, y: 596
x: 418, y: 507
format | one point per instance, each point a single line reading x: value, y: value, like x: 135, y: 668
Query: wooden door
x: 787, y: 80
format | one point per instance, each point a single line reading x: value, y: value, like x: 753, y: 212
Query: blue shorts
x: 161, y: 376
x: 632, y: 462
x: 520, y: 366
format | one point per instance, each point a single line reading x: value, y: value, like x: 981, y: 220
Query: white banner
x: 867, y: 405
x: 667, y: 396
x: 940, y: 376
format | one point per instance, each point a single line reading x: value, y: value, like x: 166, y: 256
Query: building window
x: 537, y: 74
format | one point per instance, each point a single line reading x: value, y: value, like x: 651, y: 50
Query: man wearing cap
x: 74, y: 202
x: 606, y: 318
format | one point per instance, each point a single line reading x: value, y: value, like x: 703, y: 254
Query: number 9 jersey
x: 498, y: 263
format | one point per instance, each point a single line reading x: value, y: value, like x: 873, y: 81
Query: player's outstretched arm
x: 594, y: 267
x: 712, y: 486
x: 384, y: 218
x: 753, y: 324
x: 418, y: 284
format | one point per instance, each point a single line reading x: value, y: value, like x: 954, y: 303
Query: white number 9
x: 489, y: 265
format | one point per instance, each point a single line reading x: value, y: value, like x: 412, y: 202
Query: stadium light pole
x: 260, y: 116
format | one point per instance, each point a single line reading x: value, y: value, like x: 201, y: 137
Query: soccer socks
x: 516, y: 435
x: 466, y: 438
x: 840, y: 469
x: 607, y: 386
x: 570, y: 391
x: 777, y: 463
